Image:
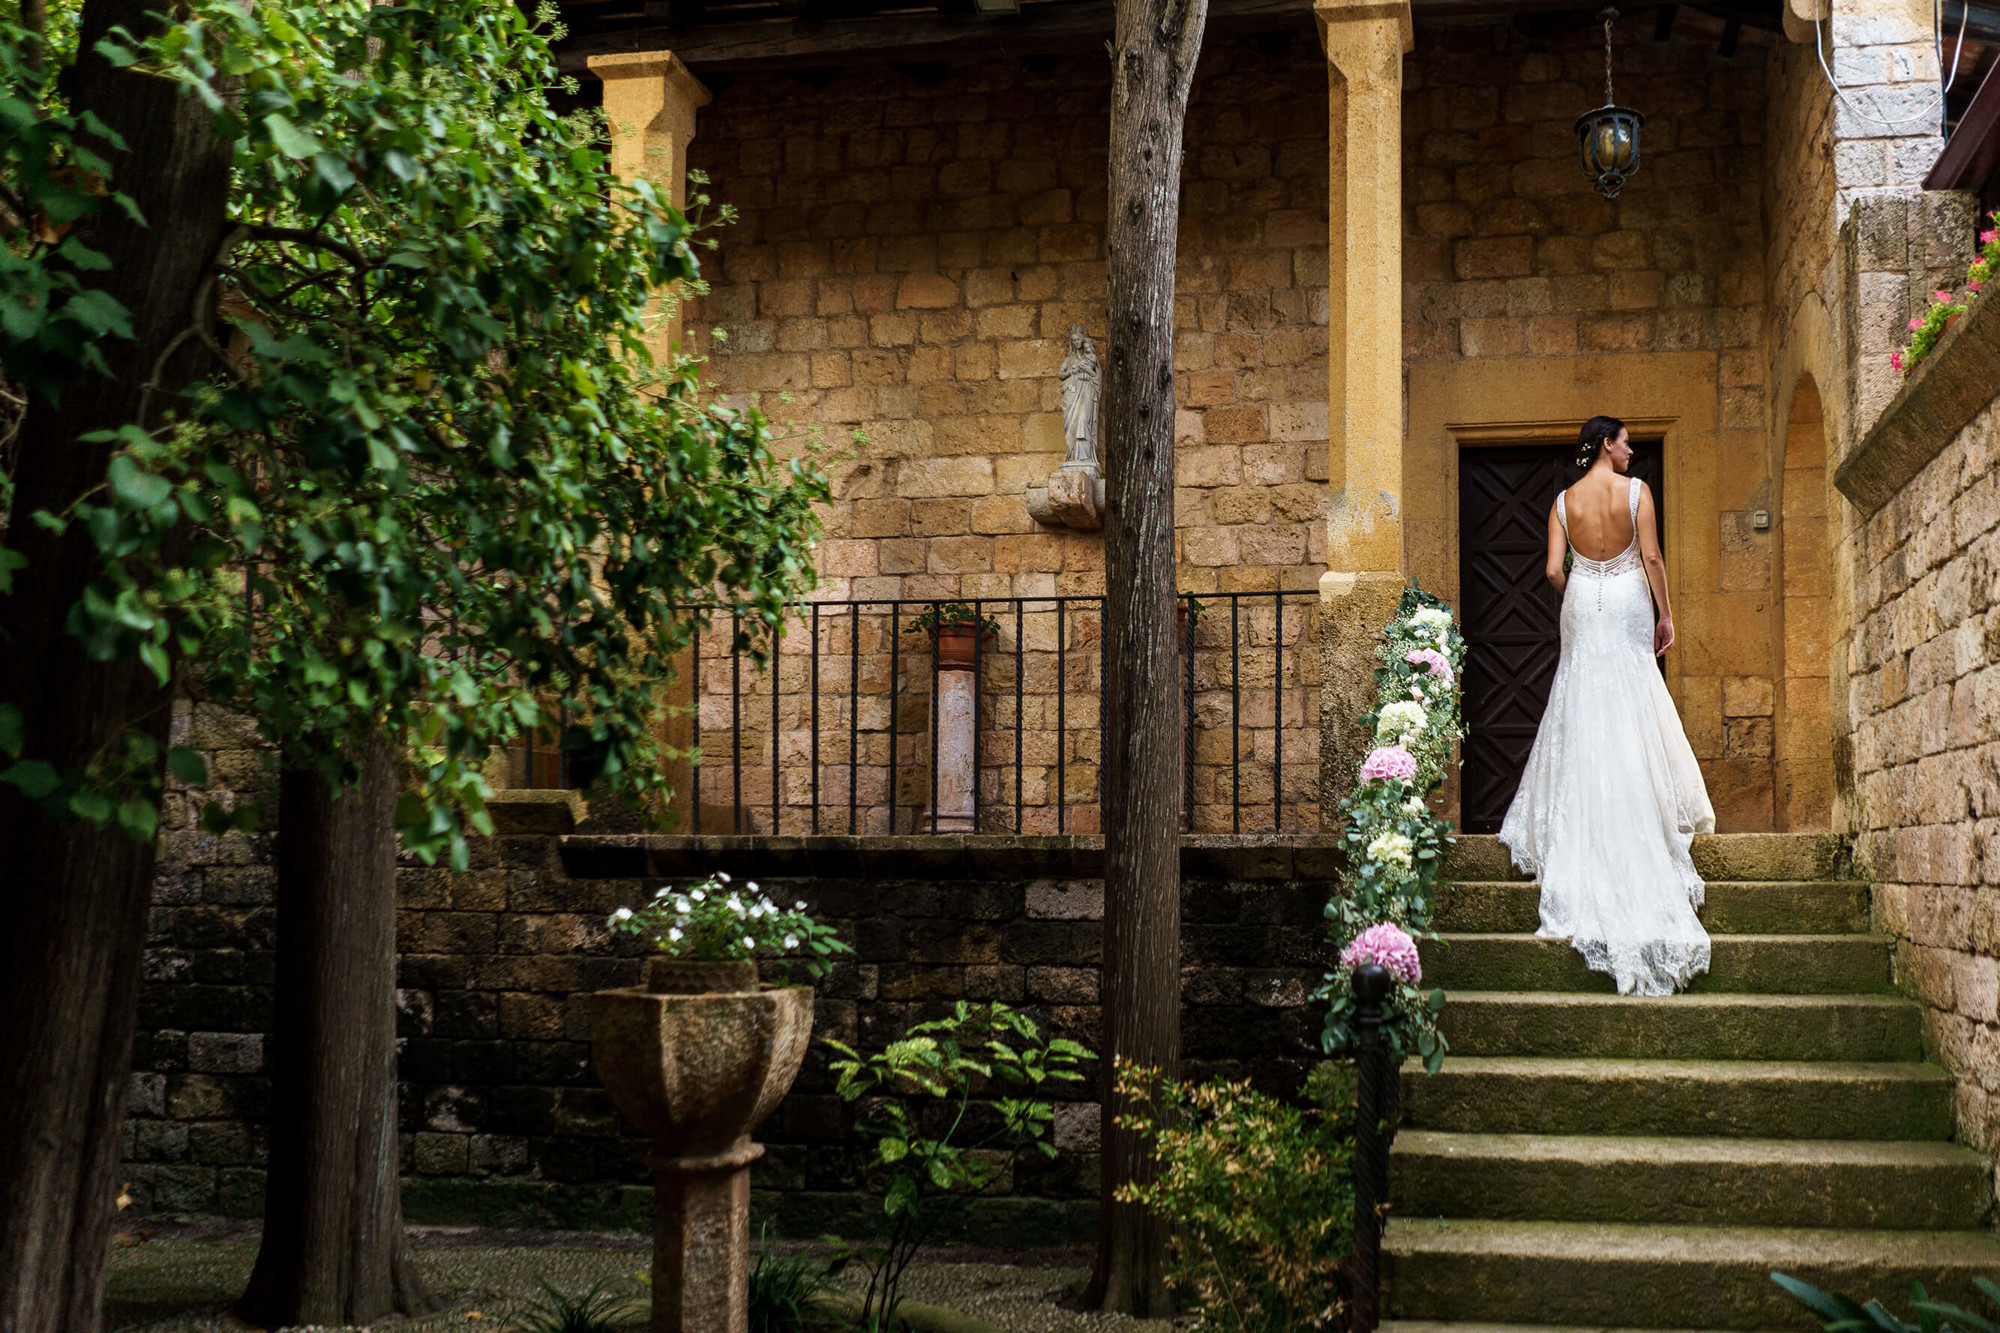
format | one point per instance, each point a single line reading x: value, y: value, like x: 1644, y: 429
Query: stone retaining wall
x: 503, y: 1120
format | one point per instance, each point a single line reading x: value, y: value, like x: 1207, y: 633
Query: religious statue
x: 1082, y: 386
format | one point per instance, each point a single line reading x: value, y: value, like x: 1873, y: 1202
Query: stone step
x: 1511, y: 1094
x: 1712, y: 1181
x: 1733, y: 907
x: 1742, y: 964
x: 1428, y: 1326
x: 1599, y: 1274
x: 1684, y: 1027
x: 1732, y: 856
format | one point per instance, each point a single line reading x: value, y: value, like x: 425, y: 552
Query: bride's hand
x: 1663, y: 636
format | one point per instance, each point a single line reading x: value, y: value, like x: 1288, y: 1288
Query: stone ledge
x: 942, y: 856
x: 518, y: 811
x: 1956, y: 382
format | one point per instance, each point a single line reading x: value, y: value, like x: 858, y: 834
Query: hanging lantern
x: 1609, y: 136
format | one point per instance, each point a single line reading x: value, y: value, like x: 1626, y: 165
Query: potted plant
x: 955, y: 629
x: 697, y: 1056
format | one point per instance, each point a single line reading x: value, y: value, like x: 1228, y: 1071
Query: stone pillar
x: 1364, y: 41
x: 957, y: 735
x: 650, y: 100
x: 701, y: 1241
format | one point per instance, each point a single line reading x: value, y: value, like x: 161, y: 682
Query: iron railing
x: 839, y: 732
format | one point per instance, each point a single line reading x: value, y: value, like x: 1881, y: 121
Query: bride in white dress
x: 1611, y: 796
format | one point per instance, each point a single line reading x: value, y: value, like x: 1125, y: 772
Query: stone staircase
x: 1586, y: 1160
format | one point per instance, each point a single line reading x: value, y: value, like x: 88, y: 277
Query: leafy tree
x: 420, y: 481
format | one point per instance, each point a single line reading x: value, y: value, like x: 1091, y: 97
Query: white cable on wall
x: 1946, y: 78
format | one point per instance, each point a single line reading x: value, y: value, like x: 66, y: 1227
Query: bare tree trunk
x: 334, y: 1249
x: 1156, y: 45
x: 75, y: 897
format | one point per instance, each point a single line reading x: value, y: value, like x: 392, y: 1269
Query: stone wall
x: 1925, y: 697
x: 503, y: 1121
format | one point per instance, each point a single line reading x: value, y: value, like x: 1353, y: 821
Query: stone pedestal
x: 957, y: 754
x: 1073, y: 498
x: 701, y: 1241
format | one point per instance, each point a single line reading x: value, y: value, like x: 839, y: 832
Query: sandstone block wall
x: 1925, y: 696
x: 503, y: 1121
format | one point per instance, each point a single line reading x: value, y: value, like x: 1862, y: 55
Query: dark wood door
x: 1508, y: 612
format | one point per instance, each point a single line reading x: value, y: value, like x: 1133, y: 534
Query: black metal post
x: 1374, y: 1110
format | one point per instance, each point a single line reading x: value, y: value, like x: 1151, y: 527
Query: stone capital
x: 1365, y: 39
x: 652, y: 89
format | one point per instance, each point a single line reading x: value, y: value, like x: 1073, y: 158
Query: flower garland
x: 1928, y: 328
x: 1395, y: 844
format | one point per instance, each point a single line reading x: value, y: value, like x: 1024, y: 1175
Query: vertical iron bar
x: 1375, y: 1100
x: 1019, y: 612
x: 895, y: 717
x: 777, y: 666
x: 528, y: 758
x: 1101, y: 757
x: 694, y: 759
x: 815, y: 717
x: 978, y: 674
x: 853, y: 717
x: 1235, y: 718
x: 935, y: 721
x: 1187, y: 725
x: 1278, y: 702
x: 1062, y: 714
x: 736, y: 719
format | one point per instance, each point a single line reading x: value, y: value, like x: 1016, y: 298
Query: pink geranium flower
x: 1388, y: 762
x: 1916, y: 323
x: 1942, y: 297
x: 1431, y: 660
x: 1386, y: 945
x: 1896, y: 360
x: 1988, y: 237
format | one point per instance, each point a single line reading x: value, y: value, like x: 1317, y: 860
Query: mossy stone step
x: 1732, y: 907
x: 1601, y: 1274
x: 1715, y: 1181
x: 1733, y: 856
x: 1429, y: 1326
x: 1746, y: 964
x: 1684, y: 1027
x: 1511, y: 1094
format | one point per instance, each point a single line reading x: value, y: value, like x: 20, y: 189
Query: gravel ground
x: 179, y: 1279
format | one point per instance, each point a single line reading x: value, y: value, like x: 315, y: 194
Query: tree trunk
x: 334, y: 1249
x: 75, y: 897
x: 1156, y: 44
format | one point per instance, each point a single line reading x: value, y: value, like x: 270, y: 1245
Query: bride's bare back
x: 1599, y: 511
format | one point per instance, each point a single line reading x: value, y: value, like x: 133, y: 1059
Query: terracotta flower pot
x: 1950, y: 320
x: 957, y: 646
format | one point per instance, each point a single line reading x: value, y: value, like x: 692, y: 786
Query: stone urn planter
x: 696, y: 1057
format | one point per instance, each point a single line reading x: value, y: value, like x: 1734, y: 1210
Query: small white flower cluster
x: 712, y: 921
x: 1399, y: 722
x: 1393, y: 849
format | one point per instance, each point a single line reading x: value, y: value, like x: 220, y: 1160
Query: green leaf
x: 140, y: 819
x: 35, y: 778
x: 412, y: 811
x: 154, y: 656
x: 134, y: 487
x: 187, y: 765
x: 289, y: 139
x: 11, y: 734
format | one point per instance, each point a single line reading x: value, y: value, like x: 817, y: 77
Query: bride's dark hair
x: 1591, y: 441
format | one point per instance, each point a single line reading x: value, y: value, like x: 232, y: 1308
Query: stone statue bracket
x: 1074, y: 495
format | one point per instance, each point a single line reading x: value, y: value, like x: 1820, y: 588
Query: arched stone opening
x: 1804, y: 740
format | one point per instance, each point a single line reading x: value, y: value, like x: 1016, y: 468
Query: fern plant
x: 1844, y: 1314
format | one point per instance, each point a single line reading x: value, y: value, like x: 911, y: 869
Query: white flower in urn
x: 1400, y: 720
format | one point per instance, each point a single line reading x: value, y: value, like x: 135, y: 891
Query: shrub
x: 1259, y: 1194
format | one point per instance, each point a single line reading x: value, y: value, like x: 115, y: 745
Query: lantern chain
x: 1609, y: 16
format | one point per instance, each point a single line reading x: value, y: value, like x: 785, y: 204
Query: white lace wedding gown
x: 1611, y: 796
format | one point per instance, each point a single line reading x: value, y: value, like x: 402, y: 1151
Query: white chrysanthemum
x: 683, y: 906
x: 622, y: 914
x: 674, y: 934
x: 1403, y: 718
x: 749, y: 943
x: 736, y: 904
x: 698, y: 895
x: 1391, y: 849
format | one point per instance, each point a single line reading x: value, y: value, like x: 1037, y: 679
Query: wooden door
x: 1508, y: 612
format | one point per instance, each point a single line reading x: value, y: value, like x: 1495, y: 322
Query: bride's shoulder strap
x: 1562, y: 514
x: 1636, y: 484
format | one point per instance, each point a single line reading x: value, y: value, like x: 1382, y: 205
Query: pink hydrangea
x: 1386, y: 945
x: 1388, y: 762
x: 1432, y: 661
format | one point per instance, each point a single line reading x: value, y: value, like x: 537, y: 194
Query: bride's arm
x: 1558, y: 547
x: 1656, y: 570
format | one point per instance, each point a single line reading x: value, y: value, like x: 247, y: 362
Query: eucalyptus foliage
x: 434, y: 482
x: 1395, y: 844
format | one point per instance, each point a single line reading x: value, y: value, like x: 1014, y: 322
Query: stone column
x: 701, y: 1241
x: 1364, y: 42
x: 650, y: 100
x: 957, y: 739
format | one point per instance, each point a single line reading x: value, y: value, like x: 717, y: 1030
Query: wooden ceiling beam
x: 1047, y: 27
